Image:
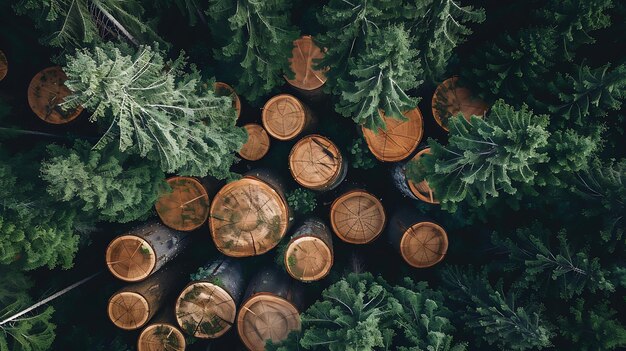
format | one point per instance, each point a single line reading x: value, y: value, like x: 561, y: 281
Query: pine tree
x: 496, y: 317
x: 593, y: 326
x: 80, y: 23
x: 260, y: 39
x: 379, y: 78
x: 486, y: 157
x: 355, y: 314
x: 107, y: 185
x: 542, y: 268
x: 155, y: 109
x: 192, y: 9
x: 31, y: 332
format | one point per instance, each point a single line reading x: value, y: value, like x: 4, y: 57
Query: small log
x: 161, y: 337
x: 421, y: 243
x: 303, y: 59
x: 416, y: 191
x: 46, y: 92
x: 284, y: 117
x: 271, y: 309
x: 249, y: 216
x: 316, y: 163
x: 357, y: 217
x: 4, y: 65
x: 206, y: 308
x: 133, y: 306
x: 450, y: 99
x: 223, y: 89
x: 258, y: 143
x: 139, y: 253
x: 309, y: 253
x: 400, y: 139
x: 185, y: 208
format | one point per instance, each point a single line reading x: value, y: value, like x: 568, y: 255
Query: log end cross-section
x: 45, y: 94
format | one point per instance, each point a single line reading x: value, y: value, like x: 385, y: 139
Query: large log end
x: 357, y: 217
x: 258, y: 143
x: 284, y: 117
x: 316, y: 163
x: 400, y: 138
x: 130, y: 258
x: 422, y: 190
x: 308, y: 258
x: 424, y: 244
x: 205, y: 310
x: 450, y: 99
x: 128, y: 310
x: 46, y: 92
x: 161, y: 337
x: 187, y: 207
x: 302, y: 62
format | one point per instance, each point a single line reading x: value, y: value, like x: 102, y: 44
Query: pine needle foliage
x: 107, y: 186
x: 33, y: 332
x: 260, y: 37
x: 155, y: 109
x: 81, y: 23
x: 379, y: 78
x: 495, y: 317
x: 486, y: 157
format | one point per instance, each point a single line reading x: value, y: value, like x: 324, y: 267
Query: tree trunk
x: 399, y: 141
x: 206, y: 308
x: 307, y: 80
x: 285, y: 117
x: 357, y: 217
x: 136, y: 255
x: 186, y: 208
x: 134, y: 305
x: 420, y: 242
x: 316, y: 163
x: 309, y: 253
x: 271, y: 309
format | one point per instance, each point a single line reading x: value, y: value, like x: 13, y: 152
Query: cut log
x: 223, y: 89
x: 408, y: 187
x: 421, y: 243
x: 450, y: 99
x: 46, y: 92
x: 136, y: 255
x: 357, y: 217
x: 258, y: 143
x: 249, y: 216
x: 161, y: 337
x: 316, y: 163
x: 400, y: 139
x: 303, y: 59
x: 206, y: 308
x: 133, y: 306
x: 284, y: 117
x: 271, y: 309
x: 4, y: 65
x: 187, y: 207
x: 309, y: 253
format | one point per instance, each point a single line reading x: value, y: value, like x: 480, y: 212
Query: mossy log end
x: 185, y: 208
x: 4, y: 65
x: 271, y: 309
x: 285, y: 117
x: 223, y: 89
x: 207, y: 307
x: 421, y: 243
x: 309, y: 253
x: 316, y: 163
x: 302, y: 62
x: 258, y: 143
x: 450, y: 99
x: 248, y: 217
x: 46, y: 92
x: 399, y: 140
x: 418, y: 191
x: 357, y: 217
x: 161, y: 337
x: 144, y: 250
x: 134, y: 305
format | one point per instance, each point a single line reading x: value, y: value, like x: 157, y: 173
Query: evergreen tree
x: 486, y: 156
x: 192, y: 9
x: 379, y: 78
x: 155, y: 109
x: 108, y: 185
x: 260, y: 39
x: 80, y: 23
x: 493, y: 316
x: 29, y: 333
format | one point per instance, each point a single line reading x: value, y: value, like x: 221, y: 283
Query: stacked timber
x: 304, y: 56
x: 399, y: 140
x: 46, y: 93
x: 258, y: 143
x: 270, y: 309
x: 135, y: 255
x: 316, y: 163
x: 421, y: 243
x: 186, y: 207
x: 285, y: 117
x: 249, y: 216
x: 415, y: 190
x: 309, y: 252
x: 207, y: 307
x: 357, y: 217
x: 451, y: 98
